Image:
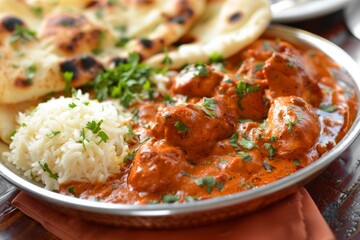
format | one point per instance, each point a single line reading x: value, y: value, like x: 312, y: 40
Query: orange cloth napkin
x: 295, y: 217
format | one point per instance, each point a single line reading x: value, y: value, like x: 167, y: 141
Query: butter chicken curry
x: 231, y: 125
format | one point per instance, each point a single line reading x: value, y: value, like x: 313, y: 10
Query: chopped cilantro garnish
x: 185, y: 174
x: 83, y: 137
x: 94, y: 126
x: 30, y: 72
x: 167, y: 60
x: 296, y: 162
x: 122, y: 41
x: 71, y: 190
x: 12, y: 134
x: 267, y: 166
x: 250, y: 184
x: 99, y: 48
x: 38, y: 11
x: 22, y: 34
x: 291, y: 64
x: 103, y: 137
x: 273, y: 139
x: 52, y: 134
x: 130, y: 156
x: 126, y: 81
x: 272, y: 150
x: 245, y: 156
x: 96, y: 129
x: 244, y: 120
x: 209, y: 105
x: 144, y: 140
x: 209, y: 182
x: 328, y: 108
x: 72, y: 105
x: 243, y: 88
x: 168, y: 100
x: 181, y: 127
x: 190, y: 199
x: 234, y: 139
x: 201, y: 70
x: 246, y: 142
x: 170, y: 198
x: 263, y: 124
x: 258, y: 67
x: 290, y: 124
x: 46, y: 168
x: 131, y: 130
x: 216, y: 57
x: 68, y: 76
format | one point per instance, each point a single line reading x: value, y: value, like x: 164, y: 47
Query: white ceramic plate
x: 306, y: 10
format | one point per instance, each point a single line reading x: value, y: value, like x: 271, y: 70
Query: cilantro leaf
x: 181, y: 127
x: 22, y: 34
x: 271, y: 150
x: 170, y: 198
x: 296, y: 162
x: 46, y: 168
x: 71, y: 190
x: 209, y: 182
x: 245, y: 156
x: 328, y: 108
x: 52, y: 134
x: 234, y: 139
x: 209, y: 105
x: 216, y: 57
x: 126, y: 82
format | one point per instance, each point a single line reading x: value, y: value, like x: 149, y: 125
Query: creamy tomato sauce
x: 230, y: 126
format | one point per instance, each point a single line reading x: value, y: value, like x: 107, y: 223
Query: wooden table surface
x: 336, y: 191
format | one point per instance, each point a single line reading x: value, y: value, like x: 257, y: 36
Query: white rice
x: 52, y: 135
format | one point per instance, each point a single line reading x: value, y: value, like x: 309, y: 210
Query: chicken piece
x: 197, y: 80
x: 189, y: 127
x: 157, y: 167
x: 287, y: 77
x: 245, y: 165
x: 294, y: 125
x: 241, y: 100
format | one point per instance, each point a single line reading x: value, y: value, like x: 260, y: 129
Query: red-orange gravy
x: 231, y: 126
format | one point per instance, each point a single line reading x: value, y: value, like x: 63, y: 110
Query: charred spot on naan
x: 183, y: 13
x: 73, y: 34
x: 84, y: 68
x: 9, y: 23
x: 235, y: 17
x: 116, y: 61
x: 23, y: 82
x: 177, y: 20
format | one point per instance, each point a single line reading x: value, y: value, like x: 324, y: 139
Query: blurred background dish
x: 298, y: 10
x: 352, y: 17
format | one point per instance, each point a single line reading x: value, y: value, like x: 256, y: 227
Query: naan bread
x: 83, y: 39
x: 41, y: 40
x: 225, y: 28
